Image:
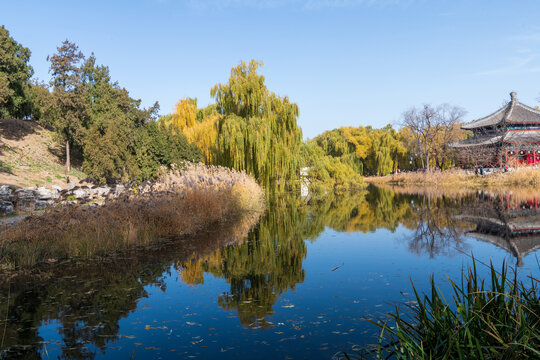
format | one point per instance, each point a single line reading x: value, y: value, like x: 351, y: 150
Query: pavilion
x: 509, y: 136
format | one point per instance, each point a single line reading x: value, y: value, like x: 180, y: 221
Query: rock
x: 102, y: 191
x: 80, y: 194
x: 71, y: 186
x: 6, y: 207
x: 24, y: 194
x: 40, y: 205
x: 118, y: 190
x: 57, y: 188
x: 44, y: 193
x: 5, y: 191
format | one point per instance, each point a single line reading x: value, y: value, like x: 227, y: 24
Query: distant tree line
x: 422, y: 142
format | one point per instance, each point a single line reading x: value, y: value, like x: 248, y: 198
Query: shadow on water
x: 87, y: 299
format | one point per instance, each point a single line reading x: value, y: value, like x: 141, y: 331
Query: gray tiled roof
x: 523, y: 114
x: 477, y: 141
x: 493, y: 119
x: 513, y: 112
x: 522, y: 136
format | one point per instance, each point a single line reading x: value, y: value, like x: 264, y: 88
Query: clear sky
x: 344, y: 62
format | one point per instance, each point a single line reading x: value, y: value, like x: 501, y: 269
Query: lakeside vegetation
x: 181, y: 203
x: 518, y: 177
x: 497, y: 320
x: 253, y: 130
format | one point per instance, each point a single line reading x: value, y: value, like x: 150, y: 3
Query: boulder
x: 102, y: 191
x: 44, y: 193
x: 6, y: 207
x: 24, y: 194
x: 5, y: 191
x: 80, y: 194
x: 119, y: 189
x: 40, y: 205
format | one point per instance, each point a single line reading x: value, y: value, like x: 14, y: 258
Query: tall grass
x: 524, y: 176
x: 501, y: 321
x: 180, y: 203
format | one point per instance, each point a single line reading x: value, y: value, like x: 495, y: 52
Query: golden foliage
x: 184, y: 115
x: 204, y: 135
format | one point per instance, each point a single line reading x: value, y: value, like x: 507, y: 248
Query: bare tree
x: 432, y: 129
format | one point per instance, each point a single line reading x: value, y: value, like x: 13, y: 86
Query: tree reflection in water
x: 87, y: 299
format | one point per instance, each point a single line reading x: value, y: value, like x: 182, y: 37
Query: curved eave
x: 490, y: 120
x: 523, y: 114
x: 522, y: 137
x: 478, y: 141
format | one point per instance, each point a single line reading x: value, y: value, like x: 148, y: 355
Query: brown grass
x: 181, y: 203
x: 30, y: 155
x: 525, y: 176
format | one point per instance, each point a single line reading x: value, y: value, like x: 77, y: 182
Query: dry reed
x: 182, y: 202
x: 524, y: 176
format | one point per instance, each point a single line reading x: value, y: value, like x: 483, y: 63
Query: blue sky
x: 344, y: 62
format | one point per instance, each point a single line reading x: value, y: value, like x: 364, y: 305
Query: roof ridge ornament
x: 513, y: 96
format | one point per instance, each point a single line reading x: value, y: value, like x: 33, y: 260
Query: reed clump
x: 181, y: 203
x: 497, y: 322
x: 521, y: 176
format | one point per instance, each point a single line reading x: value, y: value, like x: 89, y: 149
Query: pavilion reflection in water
x: 509, y: 222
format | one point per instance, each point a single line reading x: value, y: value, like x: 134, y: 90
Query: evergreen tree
x: 15, y: 73
x: 69, y: 111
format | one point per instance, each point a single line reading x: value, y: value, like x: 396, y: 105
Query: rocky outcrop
x: 32, y: 199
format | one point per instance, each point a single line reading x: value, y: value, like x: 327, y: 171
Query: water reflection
x: 86, y: 300
x: 510, y: 222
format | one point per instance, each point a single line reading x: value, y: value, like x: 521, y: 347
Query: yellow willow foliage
x: 204, y: 134
x: 184, y: 115
x: 245, y: 94
x: 258, y: 132
x: 359, y: 138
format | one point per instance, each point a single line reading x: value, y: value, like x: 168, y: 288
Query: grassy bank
x: 499, y: 321
x: 181, y: 203
x: 525, y: 176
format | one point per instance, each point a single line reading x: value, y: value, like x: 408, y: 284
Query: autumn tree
x: 249, y: 128
x: 15, y: 74
x: 364, y: 149
x: 431, y: 129
x: 258, y: 130
x: 184, y: 115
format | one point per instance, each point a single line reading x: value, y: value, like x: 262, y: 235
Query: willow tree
x: 184, y: 115
x: 257, y: 129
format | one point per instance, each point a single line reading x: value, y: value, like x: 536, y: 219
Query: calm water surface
x: 300, y: 285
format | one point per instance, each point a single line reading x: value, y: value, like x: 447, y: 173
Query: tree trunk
x: 68, y: 162
x: 427, y: 162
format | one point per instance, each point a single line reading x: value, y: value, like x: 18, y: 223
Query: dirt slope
x: 30, y: 156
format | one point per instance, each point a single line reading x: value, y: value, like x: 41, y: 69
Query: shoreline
x: 181, y: 204
x: 519, y: 177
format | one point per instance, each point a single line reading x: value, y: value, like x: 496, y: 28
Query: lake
x: 300, y: 285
